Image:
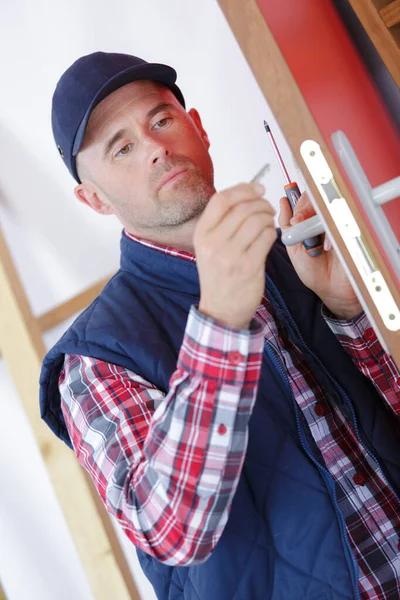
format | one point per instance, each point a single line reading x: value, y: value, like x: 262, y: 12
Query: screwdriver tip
x: 266, y: 126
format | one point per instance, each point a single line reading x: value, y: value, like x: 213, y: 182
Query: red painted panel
x: 337, y: 87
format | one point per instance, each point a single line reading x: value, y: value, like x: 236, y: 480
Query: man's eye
x: 124, y: 150
x: 163, y: 122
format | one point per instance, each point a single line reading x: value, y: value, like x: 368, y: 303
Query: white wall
x: 61, y: 247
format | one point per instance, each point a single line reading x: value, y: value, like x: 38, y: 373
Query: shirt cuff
x: 356, y: 335
x: 217, y: 352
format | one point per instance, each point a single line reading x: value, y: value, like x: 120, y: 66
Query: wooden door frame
x: 297, y: 124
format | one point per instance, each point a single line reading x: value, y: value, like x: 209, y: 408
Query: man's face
x: 137, y: 138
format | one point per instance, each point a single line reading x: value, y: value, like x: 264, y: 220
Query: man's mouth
x: 171, y: 177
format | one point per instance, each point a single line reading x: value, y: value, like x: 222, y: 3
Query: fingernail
x: 259, y: 188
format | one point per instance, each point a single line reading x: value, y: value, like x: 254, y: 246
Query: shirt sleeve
x: 167, y: 465
x: 360, y: 341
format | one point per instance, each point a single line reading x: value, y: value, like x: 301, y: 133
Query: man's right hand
x: 231, y: 241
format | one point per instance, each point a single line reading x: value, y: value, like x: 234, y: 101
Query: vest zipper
x: 326, y: 475
x: 324, y: 472
x: 335, y: 383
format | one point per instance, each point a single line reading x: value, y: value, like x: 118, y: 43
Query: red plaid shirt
x: 162, y: 469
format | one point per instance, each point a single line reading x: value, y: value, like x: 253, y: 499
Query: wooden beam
x: 2, y: 594
x: 391, y: 13
x: 380, y: 3
x: 297, y: 124
x: 23, y: 349
x: 71, y: 307
x: 380, y: 35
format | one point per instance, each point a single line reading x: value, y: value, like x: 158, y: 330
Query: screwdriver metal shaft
x: 314, y: 245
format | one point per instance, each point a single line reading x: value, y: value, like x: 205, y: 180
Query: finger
x: 222, y: 202
x: 285, y: 213
x: 261, y: 245
x: 232, y: 222
x: 250, y: 230
x: 302, y: 210
x: 327, y: 244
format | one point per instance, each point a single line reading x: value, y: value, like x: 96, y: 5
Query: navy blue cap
x: 86, y: 83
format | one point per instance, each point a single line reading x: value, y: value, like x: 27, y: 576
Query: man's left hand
x: 323, y: 274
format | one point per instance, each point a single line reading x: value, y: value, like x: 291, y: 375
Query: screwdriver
x: 313, y: 245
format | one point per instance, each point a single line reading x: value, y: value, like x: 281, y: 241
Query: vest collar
x: 180, y: 275
x: 154, y: 266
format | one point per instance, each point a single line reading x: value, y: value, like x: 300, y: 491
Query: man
x: 239, y: 419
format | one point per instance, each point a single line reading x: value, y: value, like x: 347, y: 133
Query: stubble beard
x: 181, y: 203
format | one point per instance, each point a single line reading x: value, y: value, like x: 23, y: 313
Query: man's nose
x: 160, y: 155
x: 158, y: 148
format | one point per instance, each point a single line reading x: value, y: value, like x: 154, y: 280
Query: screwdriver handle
x: 313, y: 245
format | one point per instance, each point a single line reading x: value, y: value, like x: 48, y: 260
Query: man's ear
x: 87, y: 193
x: 197, y: 121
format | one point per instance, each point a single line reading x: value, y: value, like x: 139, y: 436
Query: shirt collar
x: 169, y: 250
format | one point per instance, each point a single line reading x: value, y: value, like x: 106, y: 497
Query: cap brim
x: 155, y: 72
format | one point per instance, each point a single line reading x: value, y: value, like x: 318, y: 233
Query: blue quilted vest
x: 285, y: 537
